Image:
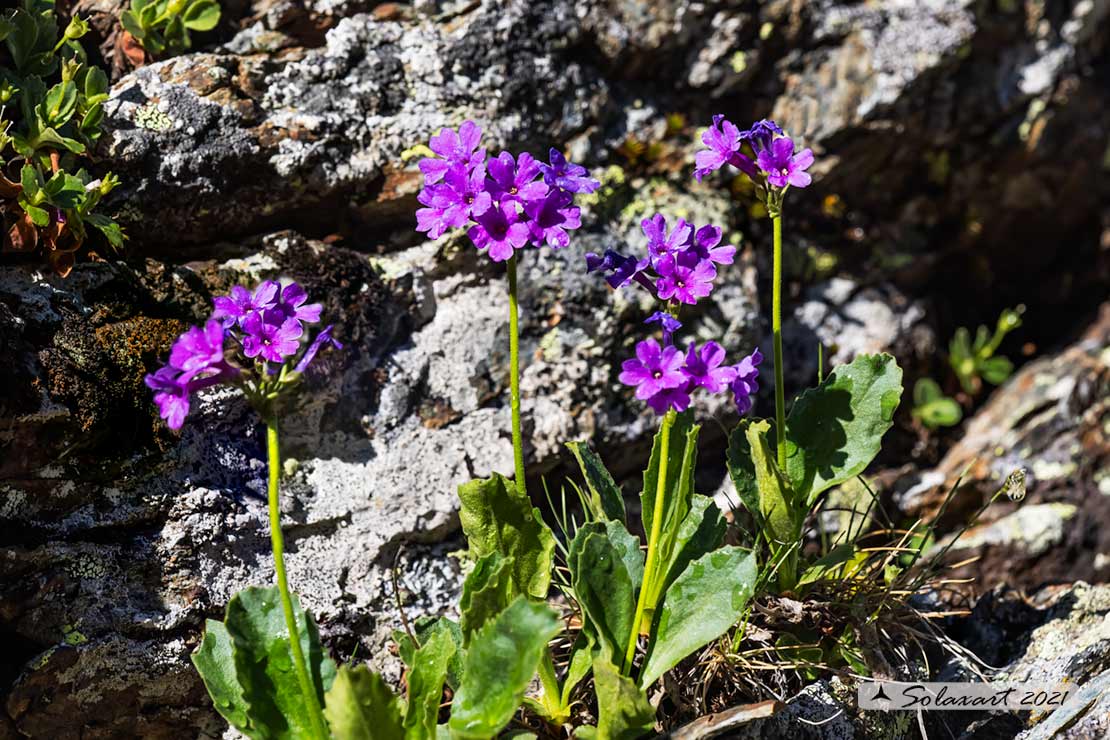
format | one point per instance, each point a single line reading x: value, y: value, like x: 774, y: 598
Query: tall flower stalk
x: 506, y: 203
x: 254, y: 342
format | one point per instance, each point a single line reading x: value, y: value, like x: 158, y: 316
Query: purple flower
x: 762, y: 133
x: 668, y: 323
x: 511, y: 179
x: 566, y: 176
x: 783, y: 167
x: 550, y: 218
x: 500, y: 230
x: 456, y: 149
x: 622, y: 270
x: 271, y: 336
x: 660, y: 243
x: 670, y: 398
x: 322, y: 340
x: 703, y: 367
x: 705, y: 243
x: 232, y: 309
x: 171, y: 396
x: 684, y: 279
x: 451, y: 203
x: 291, y: 305
x: 724, y: 141
x: 199, y: 350
x: 744, y: 385
x: 654, y: 369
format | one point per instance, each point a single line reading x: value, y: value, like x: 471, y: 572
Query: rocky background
x: 962, y: 161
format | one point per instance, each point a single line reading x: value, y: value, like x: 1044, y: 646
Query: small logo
x: 898, y: 695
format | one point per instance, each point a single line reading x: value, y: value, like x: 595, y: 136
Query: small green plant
x: 163, y: 26
x: 932, y: 408
x: 53, y: 109
x: 974, y: 362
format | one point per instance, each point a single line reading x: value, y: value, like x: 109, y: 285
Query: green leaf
x: 709, y: 597
x: 106, y: 226
x: 681, y: 450
x: 781, y: 516
x: 835, y: 558
x: 425, y: 681
x: 926, y: 390
x: 943, y: 412
x: 996, y: 370
x: 741, y: 469
x: 624, y: 712
x: 602, y: 588
x: 132, y: 23
x: 95, y: 86
x: 39, y: 216
x: 30, y: 180
x: 581, y: 661
x: 834, y: 431
x: 488, y: 589
x: 60, y: 104
x: 362, y: 706
x: 216, y: 665
x: 64, y: 190
x: 202, y: 15
x: 701, y: 531
x: 496, y: 517
x: 424, y: 628
x: 500, y: 664
x: 606, y: 498
x: 264, y: 662
x: 628, y: 547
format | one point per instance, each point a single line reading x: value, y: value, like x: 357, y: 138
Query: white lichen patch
x: 152, y: 118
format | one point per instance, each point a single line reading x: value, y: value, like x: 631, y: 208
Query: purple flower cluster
x: 680, y: 266
x: 266, y: 325
x: 665, y: 377
x: 774, y: 159
x: 507, y: 202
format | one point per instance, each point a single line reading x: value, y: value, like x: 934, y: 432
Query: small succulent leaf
x: 995, y: 370
x: 215, y: 663
x: 500, y: 665
x: 264, y: 663
x: 926, y: 390
x: 60, y: 103
x: 424, y: 628
x: 39, y: 216
x: 624, y: 712
x: 487, y: 591
x: 201, y: 15
x: 942, y: 412
x: 606, y: 498
x: 133, y: 24
x: 425, y: 685
x: 709, y: 597
x: 835, y: 430
x: 95, y: 85
x: 602, y: 587
x: 496, y: 517
x: 112, y: 231
x: 361, y: 706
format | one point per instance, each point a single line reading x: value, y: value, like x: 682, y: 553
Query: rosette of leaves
x: 53, y: 109
x: 974, y: 361
x: 163, y: 26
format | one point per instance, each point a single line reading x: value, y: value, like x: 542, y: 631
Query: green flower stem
x: 776, y: 331
x: 514, y: 377
x: 278, y: 543
x: 653, y: 540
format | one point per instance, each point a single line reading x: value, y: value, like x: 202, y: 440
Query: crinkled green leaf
x: 216, y: 665
x: 425, y: 682
x: 603, y: 588
x: 500, y: 663
x: 709, y: 597
x: 488, y: 589
x: 624, y: 712
x: 496, y: 517
x: 700, y: 532
x: 424, y: 628
x: 362, y: 706
x: 264, y: 662
x: 834, y: 431
x: 606, y: 499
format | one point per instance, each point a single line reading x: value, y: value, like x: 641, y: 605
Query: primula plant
x: 52, y: 108
x: 640, y: 607
x: 162, y: 27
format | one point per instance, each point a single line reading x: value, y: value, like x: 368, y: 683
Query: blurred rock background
x: 963, y: 151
